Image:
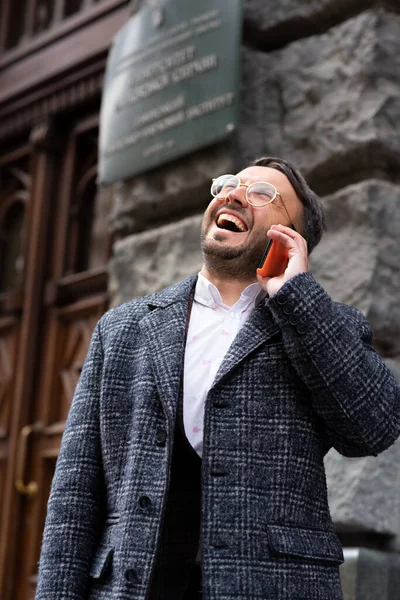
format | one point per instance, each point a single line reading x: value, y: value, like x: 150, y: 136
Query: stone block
x: 275, y: 23
x: 179, y: 188
x: 394, y: 366
x: 149, y: 261
x: 358, y: 258
x: 330, y: 103
x: 364, y: 492
x: 370, y: 575
x: 267, y: 17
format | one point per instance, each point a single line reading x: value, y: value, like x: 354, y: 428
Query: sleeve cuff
x: 300, y: 302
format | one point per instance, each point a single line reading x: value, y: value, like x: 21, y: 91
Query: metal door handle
x: 30, y: 489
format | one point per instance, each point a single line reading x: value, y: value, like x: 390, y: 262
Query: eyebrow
x: 254, y: 181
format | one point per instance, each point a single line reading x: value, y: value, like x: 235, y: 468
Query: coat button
x: 219, y: 471
x: 287, y: 309
x: 282, y: 299
x: 144, y: 502
x: 161, y: 436
x: 294, y: 319
x: 301, y: 328
x: 131, y: 575
x: 221, y: 404
x: 218, y: 544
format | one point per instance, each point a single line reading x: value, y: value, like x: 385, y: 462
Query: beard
x: 238, y: 263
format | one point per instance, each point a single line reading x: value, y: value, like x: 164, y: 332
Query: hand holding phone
x: 275, y: 259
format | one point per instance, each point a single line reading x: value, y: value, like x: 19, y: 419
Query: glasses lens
x: 261, y: 193
x: 224, y: 184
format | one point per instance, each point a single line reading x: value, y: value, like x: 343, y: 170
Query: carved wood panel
x: 15, y: 186
x: 88, y: 244
x: 8, y: 349
x: 6, y: 376
x: 72, y: 337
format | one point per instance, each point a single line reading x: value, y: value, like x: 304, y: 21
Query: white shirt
x: 212, y: 328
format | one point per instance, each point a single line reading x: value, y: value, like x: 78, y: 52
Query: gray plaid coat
x: 300, y: 377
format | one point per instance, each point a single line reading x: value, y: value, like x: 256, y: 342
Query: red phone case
x: 275, y: 260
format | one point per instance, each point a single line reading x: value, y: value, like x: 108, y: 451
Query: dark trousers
x: 169, y: 588
x: 193, y: 591
x: 176, y: 575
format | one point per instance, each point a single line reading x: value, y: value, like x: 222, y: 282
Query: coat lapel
x: 165, y: 331
x: 260, y: 327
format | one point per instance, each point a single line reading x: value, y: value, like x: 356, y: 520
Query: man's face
x: 234, y: 245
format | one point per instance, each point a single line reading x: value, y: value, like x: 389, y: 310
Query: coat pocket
x: 101, y: 562
x: 312, y: 544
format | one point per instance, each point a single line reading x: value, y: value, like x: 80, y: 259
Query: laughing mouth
x: 231, y: 223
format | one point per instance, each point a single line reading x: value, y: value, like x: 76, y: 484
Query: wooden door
x: 68, y: 237
x: 16, y: 211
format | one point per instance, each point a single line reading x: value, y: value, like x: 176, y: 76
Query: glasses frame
x: 248, y: 186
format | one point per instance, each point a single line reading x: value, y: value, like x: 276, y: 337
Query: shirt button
x: 144, y: 502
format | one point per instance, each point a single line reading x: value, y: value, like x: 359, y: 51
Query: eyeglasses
x: 259, y: 193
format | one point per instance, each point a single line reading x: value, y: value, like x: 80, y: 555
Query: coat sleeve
x: 76, y: 500
x: 329, y: 345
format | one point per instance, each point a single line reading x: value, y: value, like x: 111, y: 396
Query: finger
x: 283, y: 237
x: 262, y: 279
x: 288, y: 230
x: 294, y: 235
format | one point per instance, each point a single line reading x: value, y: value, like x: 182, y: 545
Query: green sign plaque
x: 171, y: 84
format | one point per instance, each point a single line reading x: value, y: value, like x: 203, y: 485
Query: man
x: 259, y: 377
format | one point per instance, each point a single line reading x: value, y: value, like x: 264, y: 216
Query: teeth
x: 232, y: 219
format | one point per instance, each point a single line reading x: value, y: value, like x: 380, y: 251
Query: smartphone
x: 275, y: 259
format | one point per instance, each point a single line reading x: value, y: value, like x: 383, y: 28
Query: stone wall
x: 321, y: 87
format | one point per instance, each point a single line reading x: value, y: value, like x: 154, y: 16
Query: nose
x: 238, y: 195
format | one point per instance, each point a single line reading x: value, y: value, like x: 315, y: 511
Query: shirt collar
x: 207, y: 293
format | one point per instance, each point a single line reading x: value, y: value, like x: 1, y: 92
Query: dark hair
x: 313, y: 212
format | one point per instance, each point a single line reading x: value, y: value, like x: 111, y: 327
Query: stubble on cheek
x: 237, y: 262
